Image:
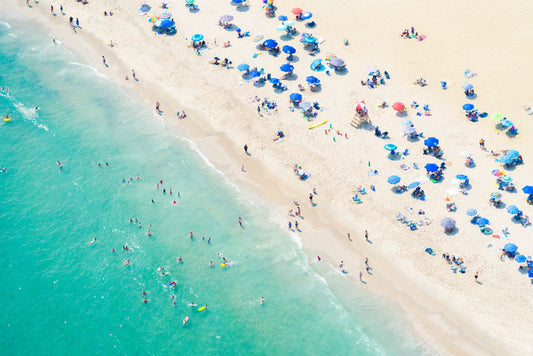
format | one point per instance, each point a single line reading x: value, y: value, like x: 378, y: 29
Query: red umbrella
x: 398, y: 106
x: 360, y: 105
x: 297, y: 11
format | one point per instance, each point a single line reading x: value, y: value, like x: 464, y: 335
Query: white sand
x: 449, y: 310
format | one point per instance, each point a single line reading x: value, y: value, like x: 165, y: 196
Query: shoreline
x: 325, y: 231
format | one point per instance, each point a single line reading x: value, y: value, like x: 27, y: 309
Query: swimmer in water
x: 211, y: 264
x: 92, y: 241
x: 192, y: 305
x: 144, y: 292
x: 145, y: 300
x: 127, y: 262
x: 262, y: 300
x: 180, y: 260
x: 148, y: 233
x: 191, y: 235
x: 59, y: 165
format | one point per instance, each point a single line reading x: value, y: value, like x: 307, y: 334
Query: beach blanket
x: 144, y: 9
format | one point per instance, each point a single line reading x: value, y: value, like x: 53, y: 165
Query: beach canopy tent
x: 287, y: 68
x: 520, y: 259
x: 390, y: 147
x: 270, y: 43
x: 315, y: 65
x: 306, y: 15
x: 413, y: 185
x: 504, y: 159
x: 312, y: 80
x: 512, y: 209
x: 528, y: 189
x: 297, y: 11
x: 468, y: 107
x: 226, y: 18
x: 512, y: 153
x: 431, y: 167
x: 242, y: 67
x: 197, y: 37
x: 336, y: 62
x: 394, y: 179
x: 467, y: 86
x: 282, y: 18
x: 288, y: 49
x: 471, y: 212
x: 461, y: 176
x: 431, y: 142
x: 398, y: 106
x: 511, y: 248
x: 254, y: 74
x: 295, y: 96
x: 447, y: 223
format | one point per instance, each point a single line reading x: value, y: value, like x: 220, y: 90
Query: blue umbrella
x: 471, y: 212
x: 394, y: 179
x: 238, y: 29
x: 504, y: 159
x: 254, y: 74
x: 468, y: 107
x: 431, y: 142
x: 413, y: 185
x: 295, y: 96
x: 306, y: 15
x: 507, y: 179
x: 467, y: 86
x: 512, y: 209
x: 238, y: 1
x: 166, y: 23
x: 528, y: 189
x: 315, y: 65
x: 270, y: 44
x: 432, y: 167
x: 282, y: 18
x: 310, y: 39
x: 461, y: 176
x: 312, y: 80
x: 406, y: 122
x: 530, y: 273
x: 287, y: 68
x: 274, y: 80
x: 506, y: 123
x: 390, y: 147
x: 520, y: 259
x: 243, y: 67
x: 289, y: 49
x: 512, y: 153
x: 482, y: 221
x: 511, y: 248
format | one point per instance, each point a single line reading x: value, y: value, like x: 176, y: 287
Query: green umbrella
x: 497, y: 117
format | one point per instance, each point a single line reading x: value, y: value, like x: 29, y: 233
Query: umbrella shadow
x: 292, y: 77
x: 230, y: 28
x: 510, y: 134
x: 341, y: 71
x: 194, y: 9
x: 242, y: 8
x: 472, y: 97
x: 413, y: 139
x: 502, y: 205
x: 278, y: 91
x: 259, y: 84
x: 286, y: 37
x: 452, y: 232
x: 401, y: 113
x: 293, y: 59
x: 317, y: 89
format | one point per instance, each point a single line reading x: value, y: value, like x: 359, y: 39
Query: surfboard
x: 316, y: 125
x: 201, y: 308
x: 7, y: 118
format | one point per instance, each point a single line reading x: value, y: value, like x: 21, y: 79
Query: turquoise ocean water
x: 61, y: 295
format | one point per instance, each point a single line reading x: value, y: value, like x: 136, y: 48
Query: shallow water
x: 63, y: 295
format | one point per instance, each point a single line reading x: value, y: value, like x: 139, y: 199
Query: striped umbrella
x: 165, y: 15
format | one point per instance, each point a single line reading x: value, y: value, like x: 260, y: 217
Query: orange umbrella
x: 297, y: 11
x: 398, y: 106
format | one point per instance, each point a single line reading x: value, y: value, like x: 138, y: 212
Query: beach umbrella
x: 530, y: 273
x: 512, y: 209
x: 467, y: 86
x: 495, y: 195
x: 360, y: 105
x: 390, y: 147
x: 482, y: 222
x: 312, y: 80
x: 394, y: 179
x: 306, y: 15
x: 512, y: 153
x: 242, y: 67
x: 528, y: 189
x: 287, y: 68
x: 152, y: 19
x: 504, y: 159
x: 447, y: 223
x: 281, y: 27
x: 226, y: 18
x: 254, y: 74
x: 289, y: 49
x: 282, y: 18
x: 258, y: 38
x: 166, y: 23
x: 406, y: 122
x: 497, y: 117
x: 297, y: 11
x: 274, y: 80
x: 498, y: 173
x: 238, y: 1
x: 197, y: 37
x: 506, y: 123
x: 507, y: 179
x: 520, y: 259
x: 398, y: 106
x: 471, y: 212
x: 336, y: 62
x: 468, y: 107
x: 304, y: 104
x: 461, y: 176
x: 413, y: 185
x: 431, y: 142
x: 409, y: 130
x: 431, y: 167
x: 165, y: 15
x: 270, y: 44
x: 511, y: 248
x: 189, y: 2
x: 466, y: 154
x: 290, y: 23
x: 295, y: 96
x: 309, y: 39
x: 315, y: 65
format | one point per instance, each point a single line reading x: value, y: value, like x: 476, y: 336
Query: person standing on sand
x: 103, y: 61
x: 311, y: 198
x: 77, y: 22
x: 51, y: 9
x: 476, y: 275
x: 246, y: 148
x: 360, y: 276
x: 482, y: 144
x: 133, y: 74
x: 157, y: 105
x: 366, y: 235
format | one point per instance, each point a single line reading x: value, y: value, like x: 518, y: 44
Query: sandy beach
x: 449, y: 310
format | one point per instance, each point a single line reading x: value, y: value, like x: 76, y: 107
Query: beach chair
x: 357, y: 199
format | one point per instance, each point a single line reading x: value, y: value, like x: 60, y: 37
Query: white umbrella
x: 466, y: 154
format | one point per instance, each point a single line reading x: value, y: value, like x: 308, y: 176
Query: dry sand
x: 449, y: 311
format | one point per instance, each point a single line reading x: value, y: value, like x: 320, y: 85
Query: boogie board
x: 222, y: 265
x: 201, y: 308
x: 7, y: 118
x: 316, y: 125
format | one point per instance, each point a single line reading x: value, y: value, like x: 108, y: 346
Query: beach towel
x: 144, y: 9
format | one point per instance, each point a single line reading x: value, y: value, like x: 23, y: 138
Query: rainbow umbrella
x: 496, y: 195
x: 498, y: 173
